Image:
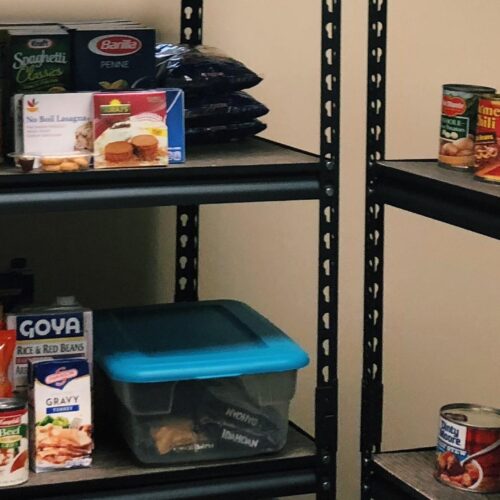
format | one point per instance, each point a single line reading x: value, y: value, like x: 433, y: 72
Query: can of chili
x: 14, y: 460
x: 468, y: 449
x: 487, y: 148
x: 458, y: 125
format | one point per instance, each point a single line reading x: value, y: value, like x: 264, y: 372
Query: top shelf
x: 453, y: 197
x: 253, y: 170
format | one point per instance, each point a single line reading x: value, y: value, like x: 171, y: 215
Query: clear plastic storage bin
x: 199, y: 381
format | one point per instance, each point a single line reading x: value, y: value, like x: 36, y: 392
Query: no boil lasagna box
x: 53, y: 123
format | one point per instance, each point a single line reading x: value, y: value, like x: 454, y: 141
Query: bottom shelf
x: 409, y: 474
x: 115, y: 475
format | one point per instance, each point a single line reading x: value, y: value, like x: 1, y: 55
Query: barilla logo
x: 115, y: 45
x: 10, y: 420
x: 40, y: 43
x: 50, y: 327
x: 115, y: 107
x: 32, y: 105
x: 61, y: 377
x: 454, y: 106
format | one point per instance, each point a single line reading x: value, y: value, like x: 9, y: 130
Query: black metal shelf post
x: 186, y: 260
x: 372, y: 388
x: 327, y: 383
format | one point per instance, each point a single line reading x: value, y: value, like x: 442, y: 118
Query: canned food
x: 13, y: 442
x: 487, y: 149
x: 468, y: 449
x: 458, y: 125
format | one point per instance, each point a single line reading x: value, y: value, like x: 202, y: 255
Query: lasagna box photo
x: 130, y: 129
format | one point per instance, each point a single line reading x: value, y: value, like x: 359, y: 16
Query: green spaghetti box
x: 36, y: 60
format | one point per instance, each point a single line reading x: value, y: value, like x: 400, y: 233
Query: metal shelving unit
x: 417, y: 186
x: 251, y: 171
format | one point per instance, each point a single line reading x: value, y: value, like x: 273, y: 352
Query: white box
x: 55, y: 124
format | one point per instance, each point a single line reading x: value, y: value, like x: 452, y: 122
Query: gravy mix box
x: 175, y: 125
x: 53, y: 123
x: 113, y: 57
x: 130, y: 129
x: 60, y: 410
x: 62, y: 331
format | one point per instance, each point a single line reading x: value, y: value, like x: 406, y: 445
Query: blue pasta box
x: 113, y: 57
x: 175, y: 125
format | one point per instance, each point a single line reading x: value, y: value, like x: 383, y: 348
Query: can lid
x: 472, y: 415
x: 8, y: 404
x: 457, y: 87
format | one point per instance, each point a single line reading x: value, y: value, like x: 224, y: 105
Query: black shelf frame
x: 416, y: 186
x: 272, y: 173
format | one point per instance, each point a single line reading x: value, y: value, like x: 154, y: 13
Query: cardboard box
x: 48, y: 333
x: 113, y: 57
x: 130, y: 129
x: 175, y: 125
x: 54, y: 123
x: 60, y: 415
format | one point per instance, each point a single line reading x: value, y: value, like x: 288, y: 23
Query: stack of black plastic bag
x: 217, y: 109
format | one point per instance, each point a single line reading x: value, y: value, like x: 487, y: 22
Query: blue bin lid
x: 200, y: 340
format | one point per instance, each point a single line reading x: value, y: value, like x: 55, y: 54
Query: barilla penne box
x: 58, y: 332
x: 60, y: 409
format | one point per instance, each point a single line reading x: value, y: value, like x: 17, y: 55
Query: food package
x: 224, y: 133
x: 130, y: 129
x: 7, y: 346
x: 60, y: 331
x: 60, y: 415
x: 175, y: 125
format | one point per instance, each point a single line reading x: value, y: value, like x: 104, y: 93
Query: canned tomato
x: 487, y: 149
x: 458, y: 125
x: 468, y: 449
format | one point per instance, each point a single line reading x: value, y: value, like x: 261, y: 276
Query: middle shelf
x: 253, y: 170
x: 420, y: 186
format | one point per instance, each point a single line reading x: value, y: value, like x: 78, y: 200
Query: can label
x: 456, y: 444
x: 487, y: 150
x: 458, y: 125
x: 13, y: 447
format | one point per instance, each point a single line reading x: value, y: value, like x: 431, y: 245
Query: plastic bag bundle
x: 216, y: 108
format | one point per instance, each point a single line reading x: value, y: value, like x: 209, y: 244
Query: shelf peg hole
x: 326, y: 321
x: 326, y: 294
x: 326, y: 374
x: 188, y: 33
x: 188, y: 12
x: 326, y: 267
x: 184, y: 219
x: 183, y: 262
x: 184, y: 240
x: 329, y: 30
x: 326, y: 347
x: 183, y: 283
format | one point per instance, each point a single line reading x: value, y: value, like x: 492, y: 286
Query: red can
x: 468, y: 449
x: 487, y: 147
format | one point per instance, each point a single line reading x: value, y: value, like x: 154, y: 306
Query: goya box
x: 60, y: 415
x: 37, y: 59
x: 61, y: 331
x: 113, y: 57
x: 130, y: 129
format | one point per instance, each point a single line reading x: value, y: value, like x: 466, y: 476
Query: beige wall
x: 441, y: 283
